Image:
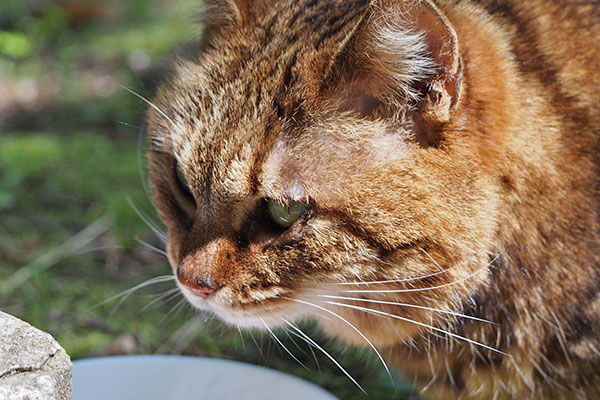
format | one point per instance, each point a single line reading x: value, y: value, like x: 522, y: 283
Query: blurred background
x: 78, y: 250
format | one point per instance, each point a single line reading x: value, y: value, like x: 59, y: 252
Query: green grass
x: 72, y: 175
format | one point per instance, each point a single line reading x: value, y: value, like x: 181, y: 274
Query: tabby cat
x: 421, y: 176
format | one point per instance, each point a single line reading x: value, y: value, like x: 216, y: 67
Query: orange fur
x: 447, y: 146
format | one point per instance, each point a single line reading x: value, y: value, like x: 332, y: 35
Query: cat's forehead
x: 237, y: 113
x: 228, y: 107
x: 275, y: 59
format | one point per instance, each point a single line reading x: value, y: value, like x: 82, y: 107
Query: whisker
x: 168, y: 294
x: 128, y: 292
x: 101, y: 248
x: 415, y: 278
x: 151, y: 247
x: 312, y: 351
x: 289, y: 332
x: 127, y: 124
x: 307, y: 338
x: 182, y: 338
x: 392, y: 303
x: 382, y: 313
x: 281, y: 344
x: 147, y: 221
x: 257, y: 346
x: 150, y: 104
x: 350, y: 325
x: 294, y: 342
x: 175, y: 310
x: 143, y: 176
x: 431, y: 258
x: 243, y: 341
x: 426, y: 288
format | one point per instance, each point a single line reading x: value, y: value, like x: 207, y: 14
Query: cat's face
x: 290, y: 183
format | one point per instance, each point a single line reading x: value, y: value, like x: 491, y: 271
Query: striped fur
x: 450, y: 146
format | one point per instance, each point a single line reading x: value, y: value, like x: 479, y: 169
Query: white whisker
x: 143, y: 171
x: 150, y: 104
x: 350, y: 325
x: 426, y: 288
x: 127, y: 124
x: 126, y: 293
x: 257, y: 346
x: 432, y: 259
x: 310, y: 346
x: 286, y: 331
x: 382, y: 313
x: 169, y: 294
x: 392, y: 303
x: 175, y: 310
x: 101, y: 248
x: 281, y: 344
x: 182, y: 338
x: 415, y: 278
x: 147, y: 221
x: 151, y: 247
x: 243, y: 341
x: 307, y: 338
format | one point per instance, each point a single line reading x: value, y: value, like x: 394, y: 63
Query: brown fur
x: 448, y: 145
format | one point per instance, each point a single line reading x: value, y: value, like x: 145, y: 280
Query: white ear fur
x: 401, y: 51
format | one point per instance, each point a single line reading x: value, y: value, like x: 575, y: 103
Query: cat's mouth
x: 269, y: 308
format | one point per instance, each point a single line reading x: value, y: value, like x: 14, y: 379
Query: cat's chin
x: 270, y: 313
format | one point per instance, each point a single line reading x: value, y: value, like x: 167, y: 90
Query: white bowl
x: 164, y: 377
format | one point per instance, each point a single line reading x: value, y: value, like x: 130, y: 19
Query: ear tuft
x: 402, y: 53
x: 399, y: 55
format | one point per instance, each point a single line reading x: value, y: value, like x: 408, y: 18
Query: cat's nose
x: 201, y: 270
x: 194, y: 273
x: 201, y: 289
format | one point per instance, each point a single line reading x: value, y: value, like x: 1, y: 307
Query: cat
x: 420, y: 176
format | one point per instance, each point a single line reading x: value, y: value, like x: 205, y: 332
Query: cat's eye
x: 285, y: 215
x: 182, y: 182
x: 184, y: 202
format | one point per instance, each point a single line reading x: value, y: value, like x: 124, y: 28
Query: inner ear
x: 360, y: 101
x: 444, y: 89
x: 401, y: 56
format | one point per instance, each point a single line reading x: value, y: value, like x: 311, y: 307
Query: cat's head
x: 316, y: 152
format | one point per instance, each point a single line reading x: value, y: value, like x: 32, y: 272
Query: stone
x: 33, y: 366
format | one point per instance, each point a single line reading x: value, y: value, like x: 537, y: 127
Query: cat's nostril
x: 243, y: 241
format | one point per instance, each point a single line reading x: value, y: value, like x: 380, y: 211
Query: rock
x: 33, y: 366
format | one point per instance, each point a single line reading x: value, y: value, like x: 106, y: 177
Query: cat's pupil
x: 285, y: 215
x: 182, y: 182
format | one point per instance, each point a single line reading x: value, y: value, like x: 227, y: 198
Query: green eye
x: 286, y: 215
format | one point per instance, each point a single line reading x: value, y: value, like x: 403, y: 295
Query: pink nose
x: 195, y: 288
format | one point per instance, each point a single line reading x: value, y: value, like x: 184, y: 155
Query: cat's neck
x: 523, y: 125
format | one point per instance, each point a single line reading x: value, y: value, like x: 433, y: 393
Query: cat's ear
x: 401, y: 51
x: 235, y: 10
x: 217, y: 15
